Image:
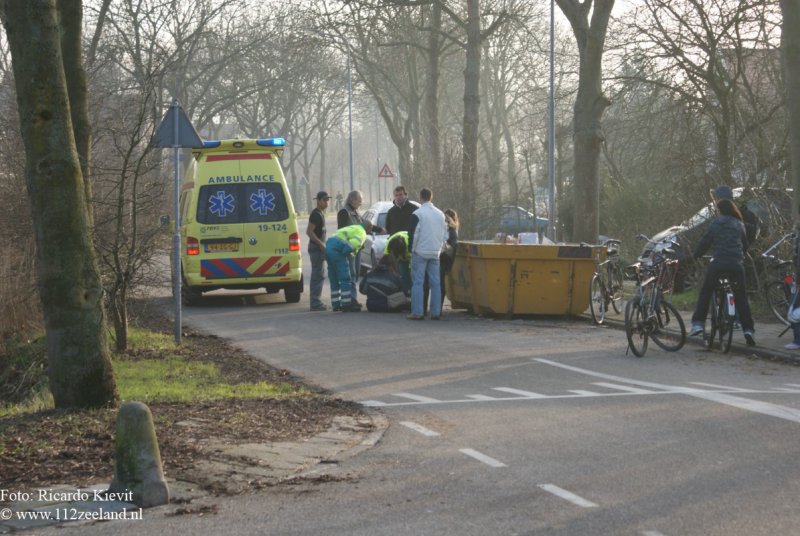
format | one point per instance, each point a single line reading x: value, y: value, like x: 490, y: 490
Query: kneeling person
x: 382, y: 282
x: 345, y: 243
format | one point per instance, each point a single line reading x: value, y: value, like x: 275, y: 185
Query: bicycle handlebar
x: 783, y: 239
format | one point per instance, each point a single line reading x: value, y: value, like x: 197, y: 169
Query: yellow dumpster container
x: 521, y: 279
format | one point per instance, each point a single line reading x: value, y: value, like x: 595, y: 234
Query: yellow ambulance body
x: 238, y: 224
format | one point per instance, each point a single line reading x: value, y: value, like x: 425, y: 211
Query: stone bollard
x: 137, y: 469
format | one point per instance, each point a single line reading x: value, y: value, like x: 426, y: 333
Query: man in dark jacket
x: 316, y: 249
x: 399, y: 216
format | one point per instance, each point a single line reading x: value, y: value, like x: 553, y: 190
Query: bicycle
x: 723, y: 314
x: 605, y: 287
x: 778, y: 292
x: 648, y: 314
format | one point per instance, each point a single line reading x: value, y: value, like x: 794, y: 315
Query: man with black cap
x: 316, y: 249
x: 752, y: 223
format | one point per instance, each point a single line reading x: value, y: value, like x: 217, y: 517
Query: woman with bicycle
x: 795, y: 300
x: 727, y: 239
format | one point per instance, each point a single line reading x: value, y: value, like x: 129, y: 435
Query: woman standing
x: 449, y: 254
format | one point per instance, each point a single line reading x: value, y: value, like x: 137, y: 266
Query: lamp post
x: 551, y: 182
x: 350, y: 116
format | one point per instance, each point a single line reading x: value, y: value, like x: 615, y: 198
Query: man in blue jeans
x: 425, y: 241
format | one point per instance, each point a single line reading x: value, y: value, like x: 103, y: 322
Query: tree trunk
x: 590, y: 104
x: 118, y: 303
x: 472, y: 102
x: 432, y: 154
x: 70, y: 14
x: 79, y: 366
x: 791, y: 57
x: 406, y: 169
x: 511, y: 164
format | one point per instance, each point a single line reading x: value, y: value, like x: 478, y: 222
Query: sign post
x: 176, y: 131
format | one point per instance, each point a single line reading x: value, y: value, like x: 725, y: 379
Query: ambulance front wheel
x: 292, y: 296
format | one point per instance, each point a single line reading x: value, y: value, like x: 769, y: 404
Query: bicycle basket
x: 668, y: 270
x: 631, y: 272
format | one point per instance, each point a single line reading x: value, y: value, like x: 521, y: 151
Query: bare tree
x: 127, y: 229
x: 590, y: 104
x: 79, y: 365
x: 720, y: 60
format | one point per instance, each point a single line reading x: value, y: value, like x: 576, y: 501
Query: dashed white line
x: 584, y: 393
x: 417, y: 398
x: 651, y: 533
x: 491, y: 462
x: 419, y: 428
x: 526, y: 394
x: 625, y: 388
x: 483, y: 398
x: 567, y: 495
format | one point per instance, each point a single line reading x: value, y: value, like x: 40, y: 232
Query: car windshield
x: 706, y: 213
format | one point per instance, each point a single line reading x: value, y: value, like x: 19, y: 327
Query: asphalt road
x: 531, y: 426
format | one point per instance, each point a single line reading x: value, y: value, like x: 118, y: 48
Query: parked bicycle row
x: 723, y: 297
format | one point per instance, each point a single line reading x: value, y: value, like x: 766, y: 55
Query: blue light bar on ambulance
x: 211, y: 144
x: 271, y: 142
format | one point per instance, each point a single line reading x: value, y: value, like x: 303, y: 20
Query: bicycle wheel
x: 725, y: 331
x: 670, y: 331
x: 778, y: 294
x: 597, y: 300
x: 616, y: 280
x: 636, y: 327
x: 715, y: 320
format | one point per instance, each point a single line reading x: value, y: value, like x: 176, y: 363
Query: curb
x: 761, y: 352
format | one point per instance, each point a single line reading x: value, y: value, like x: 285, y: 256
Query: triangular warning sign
x: 176, y: 130
x: 385, y: 172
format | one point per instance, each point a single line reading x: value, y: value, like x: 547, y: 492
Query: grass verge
x: 200, y: 393
x: 153, y: 369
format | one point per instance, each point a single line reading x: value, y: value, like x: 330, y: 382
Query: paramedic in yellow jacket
x: 397, y: 246
x: 345, y: 242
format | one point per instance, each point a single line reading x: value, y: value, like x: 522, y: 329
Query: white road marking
x: 773, y: 410
x: 567, y: 496
x: 483, y: 398
x: 418, y: 398
x: 419, y: 428
x: 625, y: 388
x: 372, y: 403
x: 651, y: 533
x: 491, y: 462
x: 724, y: 387
x: 585, y: 393
x: 526, y: 394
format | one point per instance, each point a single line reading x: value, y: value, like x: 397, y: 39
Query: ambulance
x: 238, y: 224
